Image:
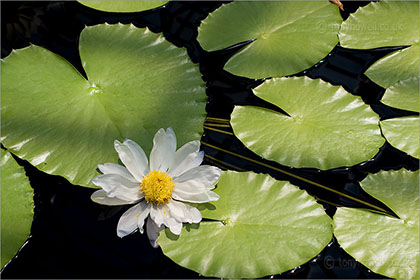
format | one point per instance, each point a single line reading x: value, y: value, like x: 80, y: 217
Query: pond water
x: 71, y: 237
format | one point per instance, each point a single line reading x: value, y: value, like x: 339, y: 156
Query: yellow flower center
x: 157, y: 187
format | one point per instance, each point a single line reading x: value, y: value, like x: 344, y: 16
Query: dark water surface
x: 72, y: 237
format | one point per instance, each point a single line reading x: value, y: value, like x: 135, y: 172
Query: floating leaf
x: 386, y: 245
x: 381, y: 24
x: 399, y: 74
x: 258, y: 227
x: 327, y: 127
x: 66, y: 125
x: 384, y: 24
x: 383, y: 72
x: 289, y: 36
x: 16, y: 207
x: 403, y: 133
x: 122, y: 6
x: 404, y: 95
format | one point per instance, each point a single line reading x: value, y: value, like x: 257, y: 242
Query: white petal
x: 170, y: 221
x: 193, y: 215
x: 186, y: 157
x: 206, y: 173
x: 112, y: 168
x: 156, y: 213
x: 117, y: 186
x: 174, y: 226
x: 163, y: 151
x: 129, y: 220
x: 162, y: 216
x: 153, y: 232
x: 176, y: 210
x: 143, y: 215
x: 195, y: 198
x: 184, y: 212
x: 197, y: 161
x: 100, y: 197
x: 194, y: 186
x: 133, y: 157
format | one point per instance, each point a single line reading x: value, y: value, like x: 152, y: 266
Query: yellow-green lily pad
x: 16, y: 207
x: 399, y: 74
x: 288, y: 36
x: 381, y: 24
x: 386, y: 24
x: 258, y: 227
x: 327, y: 127
x: 65, y: 124
x: 386, y: 245
x: 403, y: 133
x: 122, y: 6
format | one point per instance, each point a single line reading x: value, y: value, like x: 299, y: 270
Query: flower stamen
x: 157, y: 187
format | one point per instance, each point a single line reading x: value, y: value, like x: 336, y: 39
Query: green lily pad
x: 289, y: 36
x: 121, y: 6
x: 16, y: 207
x: 385, y: 24
x: 403, y: 95
x: 258, y: 227
x: 399, y: 74
x: 381, y: 24
x: 384, y: 71
x: 384, y: 244
x: 403, y: 133
x: 66, y: 125
x: 327, y: 127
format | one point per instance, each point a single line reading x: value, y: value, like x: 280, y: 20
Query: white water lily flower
x: 159, y: 188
